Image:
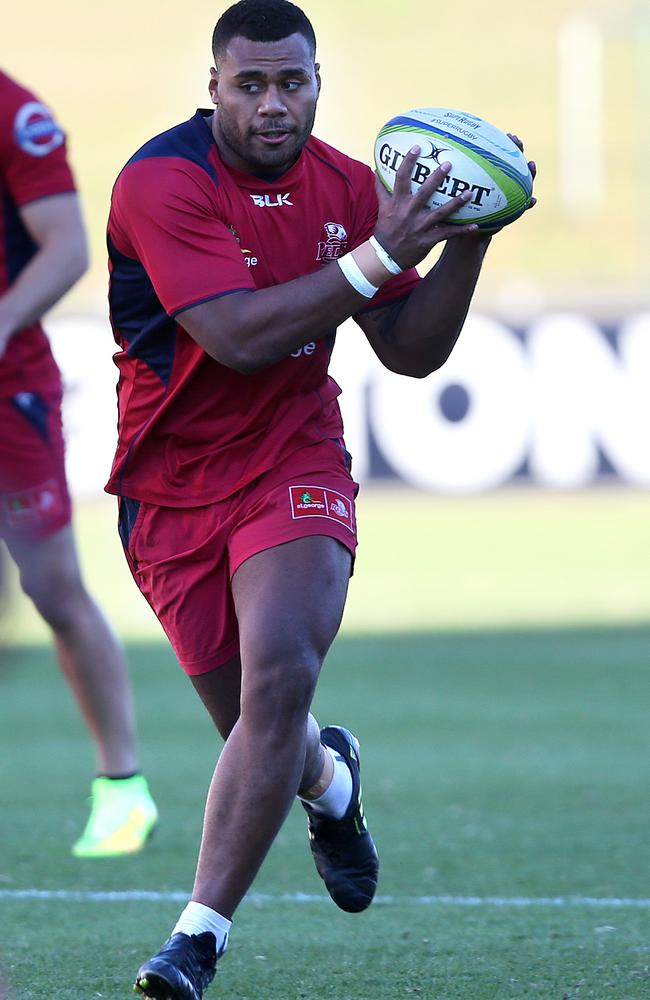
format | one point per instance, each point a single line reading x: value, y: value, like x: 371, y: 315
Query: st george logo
x: 272, y: 201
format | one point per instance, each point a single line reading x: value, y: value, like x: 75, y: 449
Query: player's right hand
x: 406, y: 227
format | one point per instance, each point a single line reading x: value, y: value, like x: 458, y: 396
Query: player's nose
x: 272, y: 103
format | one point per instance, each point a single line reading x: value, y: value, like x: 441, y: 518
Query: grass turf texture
x: 514, y: 558
x: 500, y: 763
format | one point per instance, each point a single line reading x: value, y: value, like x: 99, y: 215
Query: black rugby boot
x: 181, y: 970
x: 343, y: 850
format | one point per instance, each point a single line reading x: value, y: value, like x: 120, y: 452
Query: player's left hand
x: 532, y: 166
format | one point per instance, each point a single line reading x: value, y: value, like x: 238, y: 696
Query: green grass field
x: 503, y: 761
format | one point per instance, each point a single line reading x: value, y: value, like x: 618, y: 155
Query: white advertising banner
x: 561, y: 404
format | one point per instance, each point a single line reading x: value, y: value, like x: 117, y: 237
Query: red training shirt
x: 33, y: 165
x: 185, y: 228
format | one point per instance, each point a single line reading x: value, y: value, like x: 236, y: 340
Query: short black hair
x: 261, y: 21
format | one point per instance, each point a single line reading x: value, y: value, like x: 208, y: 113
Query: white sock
x: 335, y: 800
x: 197, y: 918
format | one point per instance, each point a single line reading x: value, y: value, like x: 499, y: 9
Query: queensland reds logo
x: 35, y: 130
x: 335, y: 241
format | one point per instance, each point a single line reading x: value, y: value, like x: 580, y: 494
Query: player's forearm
x: 54, y: 269
x: 420, y: 335
x: 251, y: 331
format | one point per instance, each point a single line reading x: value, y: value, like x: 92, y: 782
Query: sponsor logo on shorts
x: 318, y: 501
x: 35, y: 130
x: 32, y: 506
x: 338, y: 507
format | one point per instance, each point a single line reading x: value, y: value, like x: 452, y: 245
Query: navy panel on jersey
x: 328, y: 163
x: 139, y: 317
x: 19, y: 246
x: 190, y: 141
x: 35, y: 409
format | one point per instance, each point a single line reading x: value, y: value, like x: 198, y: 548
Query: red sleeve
x: 32, y: 147
x: 366, y: 211
x: 165, y: 213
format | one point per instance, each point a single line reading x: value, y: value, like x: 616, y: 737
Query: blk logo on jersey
x: 317, y: 501
x: 335, y: 242
x: 272, y: 200
x: 35, y: 130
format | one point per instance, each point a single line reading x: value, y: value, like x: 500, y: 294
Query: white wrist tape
x: 384, y: 256
x: 356, y: 277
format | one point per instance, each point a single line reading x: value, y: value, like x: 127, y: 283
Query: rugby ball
x: 484, y: 161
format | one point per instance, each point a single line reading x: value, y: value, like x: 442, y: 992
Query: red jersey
x: 33, y: 165
x: 185, y: 228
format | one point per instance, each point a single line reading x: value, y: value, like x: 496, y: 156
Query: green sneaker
x: 122, y: 818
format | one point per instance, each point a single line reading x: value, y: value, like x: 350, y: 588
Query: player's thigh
x: 220, y: 692
x: 178, y: 558
x: 34, y: 498
x: 290, y: 599
x: 48, y: 566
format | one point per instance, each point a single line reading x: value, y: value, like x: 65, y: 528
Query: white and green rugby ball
x: 484, y: 161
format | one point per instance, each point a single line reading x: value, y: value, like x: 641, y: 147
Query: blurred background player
x: 42, y: 254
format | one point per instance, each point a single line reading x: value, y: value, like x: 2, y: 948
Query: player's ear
x: 213, y: 86
x: 317, y: 74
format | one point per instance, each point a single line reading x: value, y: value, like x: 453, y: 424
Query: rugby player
x: 42, y: 254
x: 238, y: 242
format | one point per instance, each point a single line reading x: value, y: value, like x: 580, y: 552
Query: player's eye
x: 291, y: 84
x: 250, y: 88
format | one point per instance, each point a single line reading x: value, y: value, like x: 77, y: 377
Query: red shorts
x: 34, y: 498
x: 183, y: 558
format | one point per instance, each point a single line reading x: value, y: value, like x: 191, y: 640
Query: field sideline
x: 505, y: 766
